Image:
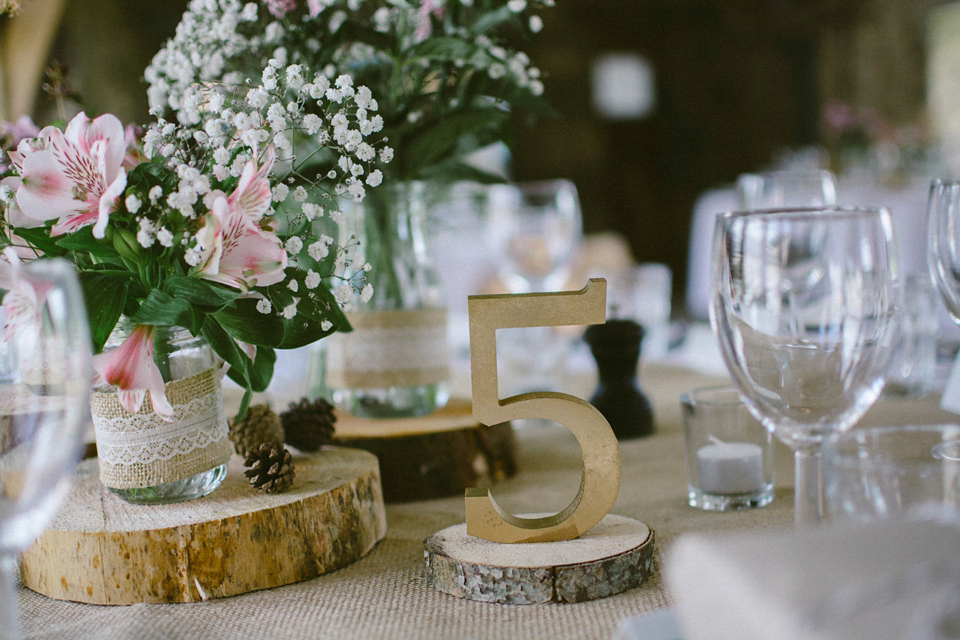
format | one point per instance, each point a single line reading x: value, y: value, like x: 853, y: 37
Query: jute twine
x: 196, y: 440
x: 390, y: 349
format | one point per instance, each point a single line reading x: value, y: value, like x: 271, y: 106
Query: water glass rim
x: 944, y: 182
x: 721, y: 395
x: 848, y: 448
x: 831, y: 211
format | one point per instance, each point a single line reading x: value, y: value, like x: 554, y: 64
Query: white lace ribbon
x: 144, y: 437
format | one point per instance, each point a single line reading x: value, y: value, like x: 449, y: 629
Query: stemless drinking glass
x: 44, y: 409
x: 806, y: 342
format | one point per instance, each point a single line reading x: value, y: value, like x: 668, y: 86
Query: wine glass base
x: 730, y: 501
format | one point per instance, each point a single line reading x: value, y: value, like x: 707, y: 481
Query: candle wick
x: 716, y: 440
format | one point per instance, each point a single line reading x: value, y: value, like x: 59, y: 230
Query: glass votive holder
x: 729, y: 454
x: 897, y: 471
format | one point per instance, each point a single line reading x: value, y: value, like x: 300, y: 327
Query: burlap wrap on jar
x: 143, y: 450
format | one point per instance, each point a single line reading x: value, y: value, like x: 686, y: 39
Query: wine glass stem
x: 9, y: 615
x: 808, y: 486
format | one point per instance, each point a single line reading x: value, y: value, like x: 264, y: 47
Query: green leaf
x: 352, y: 32
x: 444, y: 48
x: 493, y: 19
x: 200, y: 292
x: 105, y: 297
x: 83, y: 240
x: 242, y: 321
x: 226, y: 347
x: 253, y: 376
x: 441, y: 138
x: 161, y: 308
x: 262, y: 370
x: 149, y: 174
x: 306, y: 326
x: 39, y: 237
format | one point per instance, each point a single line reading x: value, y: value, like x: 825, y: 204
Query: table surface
x: 386, y: 595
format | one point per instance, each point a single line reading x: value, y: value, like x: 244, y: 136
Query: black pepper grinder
x: 616, y: 348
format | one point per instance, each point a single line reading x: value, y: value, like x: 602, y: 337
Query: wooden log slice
x: 433, y: 456
x: 613, y: 556
x: 103, y: 550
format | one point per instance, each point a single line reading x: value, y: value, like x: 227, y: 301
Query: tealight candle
x: 730, y: 467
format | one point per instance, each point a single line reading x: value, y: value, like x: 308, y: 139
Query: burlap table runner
x: 386, y: 594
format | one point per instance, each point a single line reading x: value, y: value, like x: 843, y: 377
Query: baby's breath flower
x: 132, y: 203
x: 343, y: 293
x: 318, y: 251
x: 264, y: 306
x: 165, y: 237
x: 294, y: 245
x: 366, y: 293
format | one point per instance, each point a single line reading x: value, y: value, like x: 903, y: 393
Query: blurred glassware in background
x: 643, y: 293
x: 913, y: 368
x: 395, y: 363
x: 535, y: 229
x: 897, y: 471
x: 779, y: 189
x: 459, y: 242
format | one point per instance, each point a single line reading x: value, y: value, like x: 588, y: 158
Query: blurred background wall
x: 702, y: 90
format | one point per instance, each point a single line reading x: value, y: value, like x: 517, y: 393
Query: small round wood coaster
x: 613, y: 556
x: 433, y: 456
x: 102, y: 550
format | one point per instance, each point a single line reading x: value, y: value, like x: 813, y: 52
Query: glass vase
x: 145, y: 459
x: 396, y: 362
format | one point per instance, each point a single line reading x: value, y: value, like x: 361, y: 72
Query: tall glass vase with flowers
x: 204, y: 237
x: 448, y: 80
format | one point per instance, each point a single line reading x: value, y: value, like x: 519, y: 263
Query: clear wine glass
x: 535, y: 228
x: 943, y: 242
x: 44, y: 410
x: 807, y: 347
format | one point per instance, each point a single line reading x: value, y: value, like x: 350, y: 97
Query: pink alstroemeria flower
x: 131, y: 368
x: 423, y: 14
x: 14, y: 216
x: 252, y: 196
x: 235, y: 250
x: 314, y: 7
x: 75, y: 176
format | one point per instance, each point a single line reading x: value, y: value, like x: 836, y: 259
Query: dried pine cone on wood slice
x: 258, y: 425
x: 308, y: 425
x: 269, y: 467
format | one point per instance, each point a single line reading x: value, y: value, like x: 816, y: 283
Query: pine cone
x: 308, y: 425
x: 270, y: 467
x: 258, y: 425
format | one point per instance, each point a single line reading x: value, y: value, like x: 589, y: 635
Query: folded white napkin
x: 893, y: 580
